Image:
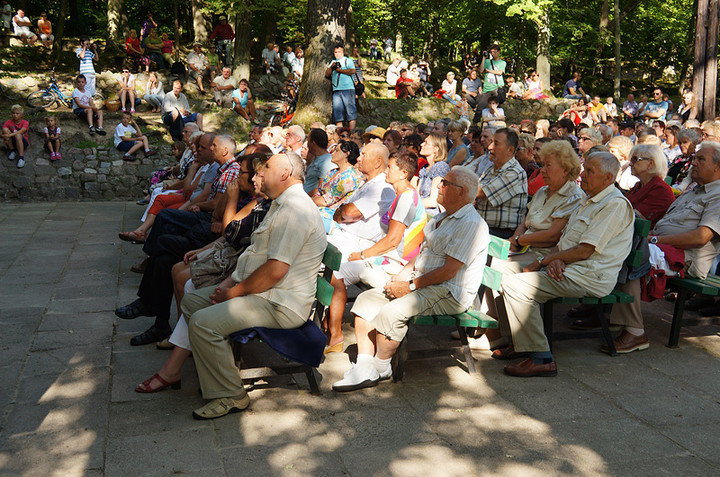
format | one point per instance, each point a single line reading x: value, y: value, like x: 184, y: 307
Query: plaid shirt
x: 506, y: 192
x: 226, y: 174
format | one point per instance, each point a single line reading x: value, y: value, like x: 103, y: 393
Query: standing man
x: 494, y: 69
x: 340, y: 72
x: 273, y: 286
x: 225, y: 37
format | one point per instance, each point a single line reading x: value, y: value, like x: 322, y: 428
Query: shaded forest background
x: 656, y: 36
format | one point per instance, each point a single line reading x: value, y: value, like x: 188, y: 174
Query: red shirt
x: 135, y: 45
x: 398, y: 85
x: 652, y: 200
x: 224, y: 32
x: 13, y: 126
x: 535, y: 182
x: 167, y: 46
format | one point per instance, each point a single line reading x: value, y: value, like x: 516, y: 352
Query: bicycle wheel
x: 41, y: 99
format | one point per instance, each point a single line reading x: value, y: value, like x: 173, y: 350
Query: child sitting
x: 128, y: 138
x: 52, y: 137
x: 84, y: 106
x: 15, y: 135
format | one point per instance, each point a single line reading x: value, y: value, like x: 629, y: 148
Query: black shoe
x: 133, y: 310
x: 699, y: 302
x: 592, y: 323
x: 580, y: 311
x: 152, y: 335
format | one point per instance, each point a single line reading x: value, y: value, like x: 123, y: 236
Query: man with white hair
x: 442, y: 279
x: 591, y: 251
x: 588, y: 138
x: 294, y: 138
x: 273, y: 285
x: 272, y: 138
x: 691, y: 225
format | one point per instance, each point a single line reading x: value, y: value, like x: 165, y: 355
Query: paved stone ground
x: 68, y: 373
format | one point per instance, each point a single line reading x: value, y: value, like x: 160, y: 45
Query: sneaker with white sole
x: 12, y: 156
x: 21, y: 162
x: 384, y: 376
x: 358, y: 377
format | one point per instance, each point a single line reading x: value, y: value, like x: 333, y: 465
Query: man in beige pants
x: 273, y: 285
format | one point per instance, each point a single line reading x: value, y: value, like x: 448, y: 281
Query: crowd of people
x: 236, y: 236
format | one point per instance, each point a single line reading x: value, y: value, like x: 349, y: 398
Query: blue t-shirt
x: 340, y: 81
x: 571, y: 84
x: 243, y: 98
x: 653, y: 107
x: 319, y: 167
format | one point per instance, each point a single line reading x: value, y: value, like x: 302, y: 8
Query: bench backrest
x: 635, y: 257
x: 500, y: 249
x: 331, y: 260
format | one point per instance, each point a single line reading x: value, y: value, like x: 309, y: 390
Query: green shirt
x: 154, y: 44
x: 493, y: 82
x: 212, y: 58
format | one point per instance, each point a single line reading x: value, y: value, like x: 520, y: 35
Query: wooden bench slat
x: 491, y: 278
x: 324, y: 291
x: 332, y: 257
x: 498, y: 248
x: 704, y: 287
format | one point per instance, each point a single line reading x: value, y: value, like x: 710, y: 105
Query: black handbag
x: 501, y: 92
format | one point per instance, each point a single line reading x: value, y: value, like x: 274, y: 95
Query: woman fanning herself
x: 208, y: 266
x: 339, y: 183
x: 434, y: 149
x: 548, y: 213
x: 404, y: 222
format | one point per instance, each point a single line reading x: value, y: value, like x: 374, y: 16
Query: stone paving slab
x: 69, y: 407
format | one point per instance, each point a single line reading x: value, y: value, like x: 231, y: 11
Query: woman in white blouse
x: 450, y: 88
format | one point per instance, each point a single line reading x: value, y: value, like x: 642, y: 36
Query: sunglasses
x: 446, y: 183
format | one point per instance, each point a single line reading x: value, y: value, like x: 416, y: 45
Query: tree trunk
x: 59, y: 31
x: 603, y: 31
x: 700, y: 51
x: 200, y: 25
x: 542, y: 64
x: 711, y: 57
x: 114, y: 22
x: 270, y: 28
x: 176, y: 19
x: 243, y: 41
x: 324, y: 28
x: 350, y: 31
x: 618, y: 60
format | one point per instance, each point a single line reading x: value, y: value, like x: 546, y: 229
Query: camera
x: 485, y: 54
x: 335, y: 66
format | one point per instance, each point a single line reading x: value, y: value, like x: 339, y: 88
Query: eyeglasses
x: 446, y: 183
x: 583, y: 138
x: 345, y: 136
x: 635, y: 159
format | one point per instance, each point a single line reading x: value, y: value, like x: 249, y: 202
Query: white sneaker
x: 12, y: 156
x: 21, y: 163
x: 386, y: 375
x: 358, y: 377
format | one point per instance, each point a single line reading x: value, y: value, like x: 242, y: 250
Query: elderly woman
x: 339, y: 183
x: 679, y: 168
x: 459, y: 151
x: 620, y: 147
x: 651, y: 196
x: 548, y: 213
x: 434, y: 150
x: 525, y: 154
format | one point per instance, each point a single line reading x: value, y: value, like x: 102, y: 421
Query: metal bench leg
x: 310, y: 373
x: 469, y: 360
x: 606, y: 330
x: 547, y: 314
x: 677, y: 318
x: 398, y: 361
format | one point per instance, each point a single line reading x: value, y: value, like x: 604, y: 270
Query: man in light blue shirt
x: 321, y: 164
x: 655, y: 109
x: 341, y: 71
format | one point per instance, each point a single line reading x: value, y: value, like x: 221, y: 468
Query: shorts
x: 343, y: 105
x: 45, y: 37
x: 25, y: 145
x: 125, y: 146
x: 195, y: 74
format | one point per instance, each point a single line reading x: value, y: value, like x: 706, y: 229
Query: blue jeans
x: 343, y: 105
x: 573, y: 96
x: 158, y: 59
x: 454, y: 100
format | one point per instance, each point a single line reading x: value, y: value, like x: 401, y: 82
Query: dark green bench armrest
x: 710, y: 286
x: 469, y: 319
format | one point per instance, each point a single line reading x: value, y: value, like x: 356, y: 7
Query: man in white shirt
x: 21, y: 27
x: 84, y: 106
x: 393, y: 72
x: 175, y: 105
x: 223, y: 87
x: 197, y: 65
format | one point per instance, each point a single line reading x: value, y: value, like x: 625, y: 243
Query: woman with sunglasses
x: 339, y: 183
x: 651, y: 196
x: 535, y: 87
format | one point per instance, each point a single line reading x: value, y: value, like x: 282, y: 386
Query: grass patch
x: 87, y: 144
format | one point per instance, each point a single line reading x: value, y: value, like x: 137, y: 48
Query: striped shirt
x: 86, y: 61
x: 463, y: 236
x: 506, y: 195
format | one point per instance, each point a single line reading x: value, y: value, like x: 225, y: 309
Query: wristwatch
x: 540, y: 259
x: 412, y: 285
x: 653, y: 239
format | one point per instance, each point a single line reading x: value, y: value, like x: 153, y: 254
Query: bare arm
x: 688, y: 240
x: 541, y: 238
x: 387, y: 243
x: 397, y: 289
x: 347, y: 214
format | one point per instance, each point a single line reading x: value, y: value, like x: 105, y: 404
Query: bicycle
x: 52, y: 96
x: 282, y: 112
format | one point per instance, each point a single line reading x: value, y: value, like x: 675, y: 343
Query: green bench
x: 634, y: 259
x: 710, y: 287
x: 498, y: 248
x: 323, y: 295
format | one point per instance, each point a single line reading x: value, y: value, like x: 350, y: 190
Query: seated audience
x: 168, y: 50
x: 591, y: 251
x: 651, y: 195
x: 15, y: 135
x: 672, y: 149
x: 406, y: 87
x: 449, y: 88
x: 135, y: 52
x: 427, y: 182
x: 442, y: 279
x: 630, y: 108
x: 610, y: 108
x: 679, y: 168
x: 690, y: 226
x: 494, y: 115
x: 471, y: 87
x: 45, y: 29
x: 688, y: 107
x: 459, y: 151
x: 21, y: 28
x: 621, y: 147
x: 176, y: 110
x: 153, y: 47
x: 393, y: 140
x: 243, y: 102
x: 198, y: 65
x: 573, y: 88
x: 503, y: 187
x: 319, y: 160
x: 524, y: 154
x: 393, y: 72
x: 223, y: 86
x: 126, y: 82
x: 338, y: 184
x: 154, y: 93
x: 479, y: 143
x: 535, y: 87
x: 52, y: 137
